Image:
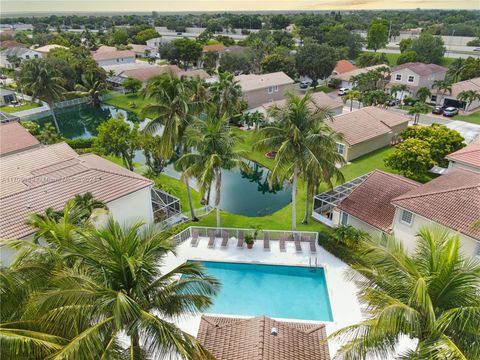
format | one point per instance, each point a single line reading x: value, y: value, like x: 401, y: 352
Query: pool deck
x: 345, y: 306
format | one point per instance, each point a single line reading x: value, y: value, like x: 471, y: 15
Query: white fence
x: 273, y: 235
x: 200, y: 212
x: 72, y: 102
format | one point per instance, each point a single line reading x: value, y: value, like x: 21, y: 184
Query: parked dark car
x: 393, y: 102
x: 438, y: 110
x: 450, y: 111
x: 305, y: 84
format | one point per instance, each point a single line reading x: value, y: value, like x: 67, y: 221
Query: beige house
x: 260, y: 89
x: 346, y: 77
x: 451, y: 99
x: 467, y: 158
x: 415, y: 75
x: 106, y: 57
x: 366, y: 130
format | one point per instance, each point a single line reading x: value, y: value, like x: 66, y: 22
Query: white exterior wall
x: 132, y: 207
x: 126, y: 60
x: 31, y: 54
x: 458, y: 165
x: 356, y: 223
x: 407, y: 233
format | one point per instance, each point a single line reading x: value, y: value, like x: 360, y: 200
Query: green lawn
x: 472, y: 118
x: 13, y: 109
x: 125, y: 101
x: 392, y: 59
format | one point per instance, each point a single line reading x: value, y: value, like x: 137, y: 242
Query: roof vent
x: 274, y: 331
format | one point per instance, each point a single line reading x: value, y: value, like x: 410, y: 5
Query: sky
x: 58, y: 6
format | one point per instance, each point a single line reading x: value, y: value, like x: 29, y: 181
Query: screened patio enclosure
x: 324, y: 203
x: 165, y: 206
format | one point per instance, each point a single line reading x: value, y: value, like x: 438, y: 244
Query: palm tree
x: 111, y: 288
x: 91, y: 87
x: 302, y: 140
x: 213, y: 142
x: 442, y: 86
x: 423, y: 94
x: 430, y: 296
x: 227, y: 94
x: 174, y: 107
x: 352, y: 95
x: 42, y: 81
x: 468, y: 96
x: 417, y: 109
x: 455, y: 69
x: 400, y: 88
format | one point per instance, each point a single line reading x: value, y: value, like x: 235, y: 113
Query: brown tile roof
x: 319, y: 98
x: 371, y: 201
x: 146, y: 73
x: 110, y: 55
x: 202, y: 74
x: 139, y: 48
x: 468, y: 155
x: 452, y: 200
x: 347, y: 75
x: 420, y: 68
x: 366, y: 124
x: 254, y: 82
x: 14, y: 137
x: 458, y: 87
x: 220, y: 48
x: 11, y: 43
x: 252, y: 339
x: 344, y: 66
x: 49, y: 177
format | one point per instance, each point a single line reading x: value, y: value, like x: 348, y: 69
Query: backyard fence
x: 72, y: 102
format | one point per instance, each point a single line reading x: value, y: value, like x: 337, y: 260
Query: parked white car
x: 342, y: 91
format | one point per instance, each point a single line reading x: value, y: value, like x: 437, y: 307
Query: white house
x: 115, y: 57
x: 451, y: 99
x: 20, y: 52
x: 345, y: 77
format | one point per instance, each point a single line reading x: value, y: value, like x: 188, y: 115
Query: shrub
x: 80, y: 143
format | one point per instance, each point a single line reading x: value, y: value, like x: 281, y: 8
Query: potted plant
x: 249, y: 240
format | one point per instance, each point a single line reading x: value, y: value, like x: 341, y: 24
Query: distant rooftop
x: 254, y: 82
x: 421, y: 68
x: 14, y: 137
x: 111, y: 55
x: 469, y: 155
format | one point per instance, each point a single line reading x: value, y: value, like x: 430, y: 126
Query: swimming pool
x: 289, y: 292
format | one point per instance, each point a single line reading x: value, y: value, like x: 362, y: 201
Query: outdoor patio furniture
x: 241, y: 238
x: 211, y: 239
x: 224, y: 239
x: 282, y: 243
x: 194, y: 241
x: 266, y: 241
x: 298, y: 245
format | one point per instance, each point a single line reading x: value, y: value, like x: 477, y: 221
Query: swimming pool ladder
x: 311, y: 264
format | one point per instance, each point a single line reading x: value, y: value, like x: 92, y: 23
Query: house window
x: 434, y: 98
x: 340, y: 148
x: 477, y: 252
x: 27, y: 57
x: 398, y: 77
x: 276, y: 88
x: 406, y: 217
x: 35, y: 56
x: 270, y: 89
x: 411, y: 78
x: 118, y: 60
x: 344, y: 219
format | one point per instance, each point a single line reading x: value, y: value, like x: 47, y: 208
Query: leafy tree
x: 187, y: 51
x: 278, y: 62
x: 14, y: 60
x: 423, y: 94
x: 213, y: 142
x: 369, y: 59
x: 430, y: 295
x: 429, y: 48
x: 455, y: 69
x: 119, y: 37
x: 283, y: 39
x: 339, y: 37
x: 417, y: 109
x: 91, y: 87
x: 116, y: 137
x: 315, y: 61
x: 468, y: 96
x: 351, y: 96
x: 147, y: 34
x: 411, y: 158
x: 371, y: 80
x: 471, y: 69
x: 377, y: 36
x: 279, y: 22
x: 406, y: 45
x: 48, y: 135
x: 305, y: 145
x: 236, y: 62
x: 407, y: 56
x: 132, y: 85
x: 89, y: 289
x: 210, y: 59
x: 350, y: 236
x: 375, y: 97
x: 227, y: 95
x: 441, y: 139
x: 39, y: 79
x: 154, y: 159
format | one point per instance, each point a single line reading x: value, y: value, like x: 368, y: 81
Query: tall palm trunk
x: 294, y: 200
x: 351, y: 105
x: 190, y: 203
x: 307, y: 204
x: 54, y: 117
x: 218, y: 185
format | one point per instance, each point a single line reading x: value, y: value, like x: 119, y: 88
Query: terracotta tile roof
x: 146, y: 73
x: 139, y: 48
x: 452, y: 200
x: 14, y: 137
x: 202, y: 74
x: 106, y: 48
x: 49, y: 177
x: 254, y: 82
x: 319, y: 98
x: 458, y: 87
x: 11, y: 43
x: 468, y: 155
x: 366, y: 124
x: 371, y: 201
x: 252, y: 339
x: 344, y: 66
x: 220, y: 48
x: 347, y: 75
x: 420, y: 68
x: 110, y: 55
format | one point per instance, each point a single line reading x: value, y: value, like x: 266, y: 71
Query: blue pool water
x: 289, y: 292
